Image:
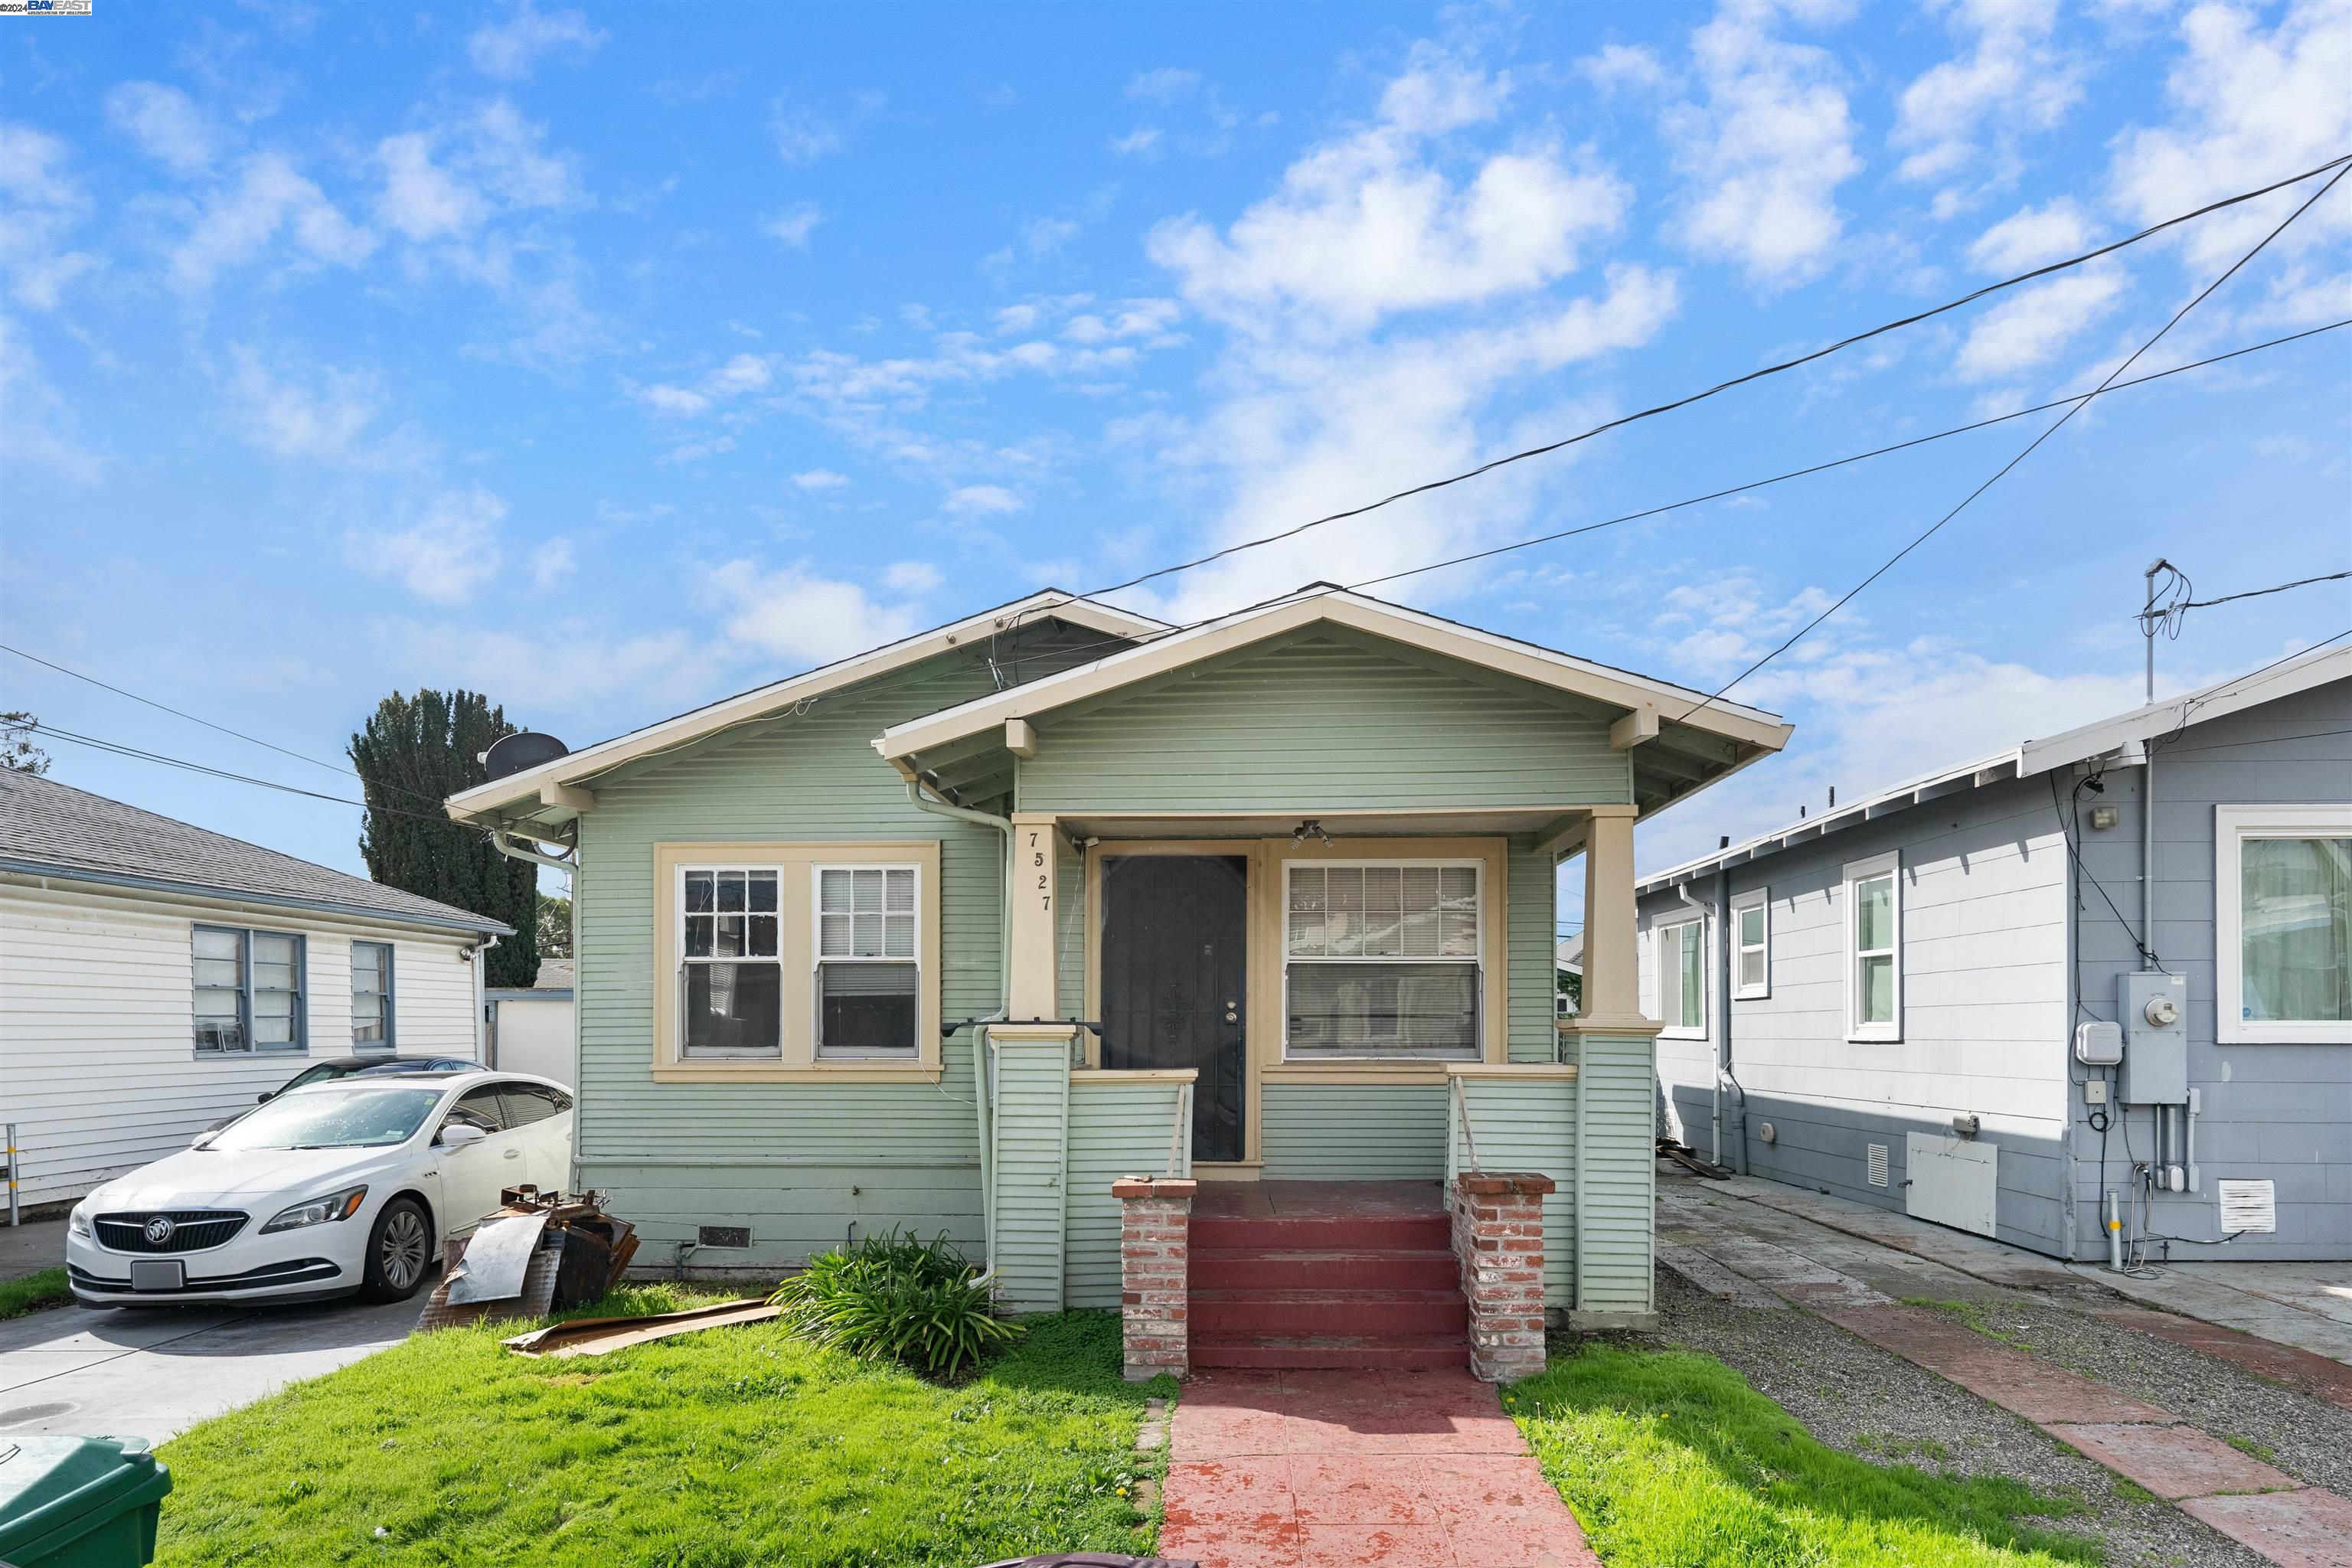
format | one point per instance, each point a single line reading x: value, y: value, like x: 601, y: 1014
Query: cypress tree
x: 413, y: 752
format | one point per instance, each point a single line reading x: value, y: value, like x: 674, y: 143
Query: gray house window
x: 372, y: 1026
x: 248, y: 991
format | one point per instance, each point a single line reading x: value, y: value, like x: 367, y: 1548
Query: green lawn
x: 32, y: 1292
x: 1670, y: 1459
x: 739, y: 1445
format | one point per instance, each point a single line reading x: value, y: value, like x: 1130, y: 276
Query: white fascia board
x: 687, y: 728
x: 2318, y: 668
x: 1561, y: 672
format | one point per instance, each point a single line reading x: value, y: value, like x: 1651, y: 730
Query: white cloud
x: 36, y: 432
x: 565, y: 666
x: 1363, y: 226
x: 818, y: 480
x: 1766, y: 150
x: 2011, y: 80
x: 2033, y: 323
x: 1616, y: 65
x: 2033, y: 236
x: 913, y: 578
x: 738, y: 376
x: 794, y: 613
x: 321, y: 414
x: 802, y: 136
x: 1142, y: 140
x: 165, y: 124
x: 445, y: 553
x: 980, y: 500
x: 510, y: 49
x: 1146, y: 318
x: 237, y: 221
x: 552, y: 564
x: 1165, y: 85
x: 420, y: 199
x: 794, y: 223
x: 44, y: 205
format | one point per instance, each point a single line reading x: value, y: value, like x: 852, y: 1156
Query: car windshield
x: 353, y: 1118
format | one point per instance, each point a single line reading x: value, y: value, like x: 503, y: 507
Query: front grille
x: 192, y: 1230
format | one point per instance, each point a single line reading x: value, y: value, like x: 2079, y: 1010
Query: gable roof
x: 2122, y: 737
x: 1672, y: 706
x: 52, y: 829
x: 525, y: 788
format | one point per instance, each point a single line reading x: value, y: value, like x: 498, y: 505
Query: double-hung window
x: 2282, y: 918
x: 371, y: 996
x: 1751, y: 938
x: 730, y: 973
x: 1382, y: 960
x: 868, y: 960
x: 248, y: 991
x: 1682, y: 977
x: 1873, y: 938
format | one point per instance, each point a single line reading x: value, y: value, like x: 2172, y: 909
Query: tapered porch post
x: 1613, y: 987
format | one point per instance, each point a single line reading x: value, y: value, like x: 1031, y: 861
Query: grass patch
x: 2253, y: 1450
x: 1668, y: 1458
x: 2130, y: 1491
x: 34, y: 1293
x: 1971, y: 1315
x: 737, y: 1447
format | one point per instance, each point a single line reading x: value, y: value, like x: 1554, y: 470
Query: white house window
x: 868, y: 960
x: 1682, y: 977
x: 1874, y: 933
x: 371, y: 996
x: 1751, y: 936
x: 2282, y: 909
x: 1382, y: 961
x: 248, y: 991
x: 730, y: 975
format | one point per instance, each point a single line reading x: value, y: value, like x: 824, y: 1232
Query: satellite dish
x: 519, y: 753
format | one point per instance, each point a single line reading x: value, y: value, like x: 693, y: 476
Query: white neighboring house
x: 155, y: 978
x: 530, y: 1029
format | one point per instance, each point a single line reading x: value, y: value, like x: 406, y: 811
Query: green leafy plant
x: 895, y: 1298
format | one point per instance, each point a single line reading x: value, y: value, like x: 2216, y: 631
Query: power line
x: 119, y: 749
x: 2258, y: 593
x: 1723, y: 386
x: 2056, y: 426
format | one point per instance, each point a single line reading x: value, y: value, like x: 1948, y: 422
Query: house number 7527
x: 1044, y: 879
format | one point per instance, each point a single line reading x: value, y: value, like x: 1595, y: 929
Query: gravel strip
x: 1860, y: 1399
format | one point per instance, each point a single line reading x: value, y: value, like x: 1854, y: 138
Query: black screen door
x: 1172, y: 970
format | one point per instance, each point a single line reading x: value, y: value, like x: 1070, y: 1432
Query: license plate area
x: 158, y: 1274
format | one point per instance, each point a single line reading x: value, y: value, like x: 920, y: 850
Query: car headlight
x: 79, y: 1221
x: 319, y: 1211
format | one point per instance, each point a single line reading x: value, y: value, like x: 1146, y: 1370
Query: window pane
x: 832, y: 891
x: 763, y: 891
x: 734, y: 1008
x: 898, y: 936
x: 1383, y: 910
x: 2295, y: 923
x: 1694, y: 989
x: 727, y: 936
x: 1873, y: 915
x: 699, y: 899
x: 1307, y: 894
x: 763, y: 936
x: 866, y: 891
x: 371, y: 969
x: 901, y: 892
x: 697, y: 935
x: 525, y: 1105
x: 1878, y: 989
x: 218, y: 1024
x: 833, y: 935
x: 1427, y: 1010
x: 273, y: 1019
x: 731, y: 892
x: 1751, y: 966
x: 367, y: 1020
x: 1670, y: 973
x: 866, y: 1009
x: 1751, y: 927
x: 1343, y: 925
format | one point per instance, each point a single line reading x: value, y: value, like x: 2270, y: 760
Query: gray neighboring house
x: 1896, y: 1007
x: 155, y: 978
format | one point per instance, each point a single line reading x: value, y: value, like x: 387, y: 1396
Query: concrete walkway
x: 1365, y: 1469
x: 1852, y: 1281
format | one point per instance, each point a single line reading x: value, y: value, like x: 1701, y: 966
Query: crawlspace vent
x: 723, y: 1235
x: 1877, y: 1164
x: 2248, y: 1205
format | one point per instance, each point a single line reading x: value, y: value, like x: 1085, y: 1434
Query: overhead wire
x: 2274, y: 588
x: 2056, y: 426
x: 120, y: 749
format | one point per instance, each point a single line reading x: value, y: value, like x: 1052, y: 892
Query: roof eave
x: 455, y: 921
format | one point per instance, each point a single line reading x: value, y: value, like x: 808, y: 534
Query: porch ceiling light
x: 1310, y: 828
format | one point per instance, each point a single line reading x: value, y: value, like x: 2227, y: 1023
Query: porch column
x: 1613, y: 989
x: 1498, y: 1239
x: 1155, y: 1275
x: 1036, y: 979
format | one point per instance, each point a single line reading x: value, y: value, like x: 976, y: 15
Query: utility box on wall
x: 2154, y: 1009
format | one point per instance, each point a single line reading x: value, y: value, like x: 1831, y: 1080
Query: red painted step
x: 1250, y: 1268
x: 1372, y: 1232
x: 1442, y: 1313
x: 1344, y: 1353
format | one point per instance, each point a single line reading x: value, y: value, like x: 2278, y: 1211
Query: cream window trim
x: 1751, y: 938
x: 1478, y: 958
x: 1673, y: 940
x: 2233, y: 827
x: 796, y: 863
x: 1859, y: 964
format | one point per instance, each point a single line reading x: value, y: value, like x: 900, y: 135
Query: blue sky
x: 611, y: 359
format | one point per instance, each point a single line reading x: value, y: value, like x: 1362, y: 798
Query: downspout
x: 1714, y: 1045
x: 1723, y: 1018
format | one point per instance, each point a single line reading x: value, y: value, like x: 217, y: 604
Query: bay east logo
x: 44, y: 7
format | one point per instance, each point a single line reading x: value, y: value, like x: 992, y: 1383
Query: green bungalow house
x: 958, y: 934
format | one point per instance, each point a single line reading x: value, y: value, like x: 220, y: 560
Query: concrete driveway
x: 154, y: 1372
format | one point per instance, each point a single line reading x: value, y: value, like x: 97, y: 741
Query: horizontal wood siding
x: 1354, y: 1131
x: 1522, y: 1126
x: 1315, y: 722
x: 1116, y: 1129
x: 1070, y: 933
x: 1533, y: 896
x: 1616, y: 1171
x: 98, y: 1061
x: 792, y: 1209
x: 1031, y: 1122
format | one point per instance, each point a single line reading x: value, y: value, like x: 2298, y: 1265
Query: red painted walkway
x: 1365, y: 1469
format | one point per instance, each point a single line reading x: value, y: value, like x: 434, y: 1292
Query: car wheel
x: 399, y: 1252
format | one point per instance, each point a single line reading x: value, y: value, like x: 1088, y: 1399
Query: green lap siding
x: 792, y: 1210
x: 1533, y: 894
x: 1116, y: 1129
x: 1616, y: 1171
x: 1521, y: 1126
x: 1354, y: 1132
x: 1031, y: 1126
x: 1316, y: 722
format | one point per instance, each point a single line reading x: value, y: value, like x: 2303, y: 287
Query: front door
x: 1174, y: 937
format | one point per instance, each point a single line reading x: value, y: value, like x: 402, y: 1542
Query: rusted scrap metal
x: 601, y: 1336
x: 539, y: 1253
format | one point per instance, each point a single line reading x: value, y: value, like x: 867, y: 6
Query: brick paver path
x: 1369, y: 1470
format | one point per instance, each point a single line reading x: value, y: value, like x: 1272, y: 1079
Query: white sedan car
x: 327, y: 1190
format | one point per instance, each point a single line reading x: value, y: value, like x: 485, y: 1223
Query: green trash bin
x: 78, y: 1502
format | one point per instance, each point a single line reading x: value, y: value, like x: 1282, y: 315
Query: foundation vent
x: 2248, y: 1205
x: 1877, y: 1164
x: 723, y: 1235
